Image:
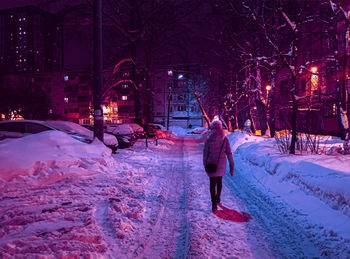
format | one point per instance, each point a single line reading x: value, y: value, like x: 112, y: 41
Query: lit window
x: 37, y: 52
x: 20, y: 19
x: 170, y: 72
x: 180, y: 76
x: 20, y: 28
x: 65, y: 99
x: 24, y: 60
x: 65, y: 78
x: 24, y: 32
x: 124, y: 86
x: 24, y: 18
x: 37, y: 70
x: 124, y: 98
x: 20, y: 60
x: 11, y: 34
x: 11, y: 16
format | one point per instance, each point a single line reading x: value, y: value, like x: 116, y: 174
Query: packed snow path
x: 182, y: 225
x: 154, y: 203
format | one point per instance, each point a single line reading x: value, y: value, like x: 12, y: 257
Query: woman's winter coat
x: 212, y: 147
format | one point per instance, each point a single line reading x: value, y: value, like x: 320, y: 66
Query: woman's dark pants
x: 215, y: 190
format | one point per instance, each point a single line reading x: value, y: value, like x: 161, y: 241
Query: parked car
x: 198, y: 130
x: 123, y: 132
x: 138, y: 130
x: 21, y: 128
x: 154, y: 130
x: 74, y: 128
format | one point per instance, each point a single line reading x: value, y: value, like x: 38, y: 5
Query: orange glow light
x: 314, y: 69
x: 268, y: 87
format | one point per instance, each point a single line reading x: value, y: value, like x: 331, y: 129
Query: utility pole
x: 98, y: 76
x: 169, y: 97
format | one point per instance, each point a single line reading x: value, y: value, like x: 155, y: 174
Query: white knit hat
x: 216, y: 124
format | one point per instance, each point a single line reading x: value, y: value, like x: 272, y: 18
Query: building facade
x: 174, y: 103
x: 30, y: 41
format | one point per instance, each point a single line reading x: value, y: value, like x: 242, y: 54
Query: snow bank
x: 306, y: 182
x: 179, y: 131
x: 50, y: 156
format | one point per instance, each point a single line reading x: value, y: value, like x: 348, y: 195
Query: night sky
x: 5, y: 4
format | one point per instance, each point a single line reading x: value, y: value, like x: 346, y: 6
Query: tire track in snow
x: 170, y: 239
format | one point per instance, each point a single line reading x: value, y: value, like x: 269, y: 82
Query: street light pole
x: 98, y: 77
x: 169, y: 97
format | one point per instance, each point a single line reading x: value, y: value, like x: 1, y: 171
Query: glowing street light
x: 268, y: 88
x: 314, y: 80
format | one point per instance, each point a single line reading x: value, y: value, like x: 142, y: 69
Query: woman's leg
x: 213, y: 182
x: 219, y: 187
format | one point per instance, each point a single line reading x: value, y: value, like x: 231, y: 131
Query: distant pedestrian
x: 216, y: 149
x: 247, y: 126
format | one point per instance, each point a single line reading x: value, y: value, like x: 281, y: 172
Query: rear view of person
x: 216, y: 149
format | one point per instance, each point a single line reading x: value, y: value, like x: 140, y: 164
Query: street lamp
x: 268, y: 88
x: 314, y: 80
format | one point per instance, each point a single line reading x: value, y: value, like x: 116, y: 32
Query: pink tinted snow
x: 50, y: 155
x: 307, y: 181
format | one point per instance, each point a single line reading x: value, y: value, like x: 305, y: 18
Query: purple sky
x: 4, y: 4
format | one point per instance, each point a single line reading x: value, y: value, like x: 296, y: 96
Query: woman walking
x: 216, y: 149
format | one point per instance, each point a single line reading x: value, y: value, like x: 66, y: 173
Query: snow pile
x: 50, y: 156
x: 315, y: 185
x: 240, y: 137
x: 99, y: 216
x: 179, y: 131
x: 77, y: 217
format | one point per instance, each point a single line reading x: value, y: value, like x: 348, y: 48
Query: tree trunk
x: 271, y: 104
x: 201, y: 107
x: 294, y: 123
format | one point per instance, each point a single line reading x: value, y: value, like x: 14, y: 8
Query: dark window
x: 12, y: 127
x: 284, y: 87
x: 83, y: 98
x: 302, y: 86
x: 35, y: 128
x: 125, y: 109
